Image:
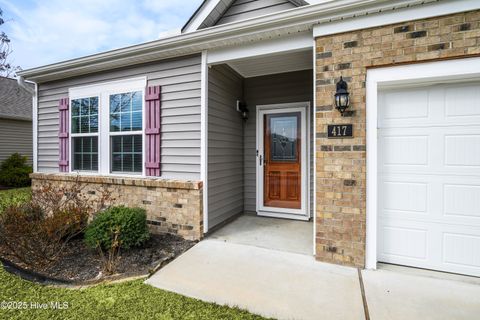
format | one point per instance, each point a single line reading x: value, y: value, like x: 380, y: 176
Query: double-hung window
x: 107, y: 128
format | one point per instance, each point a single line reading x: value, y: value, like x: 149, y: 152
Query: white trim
x: 204, y: 138
x: 433, y: 9
x: 300, y: 214
x: 35, y: 128
x: 103, y: 91
x: 413, y: 75
x: 200, y: 16
x: 314, y: 115
x: 295, y: 42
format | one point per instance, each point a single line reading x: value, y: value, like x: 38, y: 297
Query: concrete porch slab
x: 398, y: 293
x: 271, y: 283
x: 270, y: 233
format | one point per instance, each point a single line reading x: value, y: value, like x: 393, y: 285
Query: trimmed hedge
x: 130, y: 222
x: 14, y: 172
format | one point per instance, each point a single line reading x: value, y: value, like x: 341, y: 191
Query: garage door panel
x: 404, y: 196
x: 462, y: 200
x: 462, y: 101
x: 462, y: 150
x: 461, y: 249
x: 405, y: 150
x: 429, y: 177
x: 403, y: 242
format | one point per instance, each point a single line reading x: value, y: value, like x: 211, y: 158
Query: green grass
x: 129, y: 300
x: 14, y: 197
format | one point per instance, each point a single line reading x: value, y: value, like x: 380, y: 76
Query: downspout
x: 33, y: 92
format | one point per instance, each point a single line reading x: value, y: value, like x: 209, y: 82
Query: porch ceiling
x: 273, y: 64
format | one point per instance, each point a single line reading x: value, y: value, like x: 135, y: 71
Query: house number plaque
x: 340, y: 131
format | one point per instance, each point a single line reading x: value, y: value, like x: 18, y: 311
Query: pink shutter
x: 152, y: 131
x: 63, y: 135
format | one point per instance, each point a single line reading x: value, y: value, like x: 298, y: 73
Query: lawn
x: 14, y: 196
x: 129, y: 300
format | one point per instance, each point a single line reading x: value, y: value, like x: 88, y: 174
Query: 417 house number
x: 340, y: 131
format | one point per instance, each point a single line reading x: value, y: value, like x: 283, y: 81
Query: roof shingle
x: 15, y: 101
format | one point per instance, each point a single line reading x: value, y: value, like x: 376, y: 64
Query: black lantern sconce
x: 243, y: 109
x: 342, y: 97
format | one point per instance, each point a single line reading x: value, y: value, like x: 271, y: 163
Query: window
x: 107, y: 133
x: 85, y: 134
x: 126, y: 132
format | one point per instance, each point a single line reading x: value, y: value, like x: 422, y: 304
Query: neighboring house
x: 15, y: 120
x: 158, y: 123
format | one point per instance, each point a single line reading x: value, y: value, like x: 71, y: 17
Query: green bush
x: 14, y: 172
x: 129, y: 223
x: 14, y: 197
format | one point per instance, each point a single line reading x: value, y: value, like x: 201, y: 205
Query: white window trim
x: 407, y: 75
x: 103, y: 92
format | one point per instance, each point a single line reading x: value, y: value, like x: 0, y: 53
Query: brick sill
x: 115, y: 180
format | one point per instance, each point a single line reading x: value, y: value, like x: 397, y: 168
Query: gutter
x: 235, y: 33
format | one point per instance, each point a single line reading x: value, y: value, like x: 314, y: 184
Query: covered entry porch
x: 259, y: 176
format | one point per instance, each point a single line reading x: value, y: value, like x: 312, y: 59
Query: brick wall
x: 172, y: 206
x: 341, y: 164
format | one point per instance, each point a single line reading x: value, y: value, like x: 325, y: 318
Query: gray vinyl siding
x: 272, y: 89
x: 246, y: 9
x: 15, y: 136
x: 181, y: 91
x: 225, y: 145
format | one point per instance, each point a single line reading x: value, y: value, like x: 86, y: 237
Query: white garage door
x: 429, y: 177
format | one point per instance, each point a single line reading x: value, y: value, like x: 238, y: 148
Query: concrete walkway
x: 271, y: 283
x: 286, y: 285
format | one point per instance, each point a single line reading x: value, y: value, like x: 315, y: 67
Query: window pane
x: 76, y: 125
x: 126, y: 122
x: 137, y: 121
x: 115, y: 103
x: 75, y: 107
x: 85, y: 107
x: 85, y: 154
x: 137, y: 101
x: 84, y: 125
x: 94, y: 124
x: 126, y: 112
x: 126, y: 154
x: 93, y: 106
x: 126, y: 102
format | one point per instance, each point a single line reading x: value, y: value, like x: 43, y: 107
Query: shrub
x: 14, y: 172
x: 129, y: 223
x: 15, y: 197
x: 37, y: 238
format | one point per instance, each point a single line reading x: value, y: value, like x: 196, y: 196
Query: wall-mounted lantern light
x: 243, y: 109
x: 342, y: 97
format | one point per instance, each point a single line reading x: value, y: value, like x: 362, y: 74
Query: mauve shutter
x: 152, y: 131
x: 63, y: 134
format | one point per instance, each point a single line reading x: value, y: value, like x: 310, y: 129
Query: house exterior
x: 237, y: 114
x: 15, y: 120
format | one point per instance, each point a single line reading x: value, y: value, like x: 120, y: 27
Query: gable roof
x: 15, y: 101
x: 213, y: 12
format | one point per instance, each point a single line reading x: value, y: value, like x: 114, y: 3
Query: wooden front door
x: 282, y: 163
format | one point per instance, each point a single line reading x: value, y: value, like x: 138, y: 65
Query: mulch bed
x: 79, y: 264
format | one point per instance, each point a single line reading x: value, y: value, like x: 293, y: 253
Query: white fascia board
x: 294, y: 42
x: 201, y: 15
x: 434, y: 8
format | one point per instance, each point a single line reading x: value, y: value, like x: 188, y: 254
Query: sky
x: 48, y: 31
